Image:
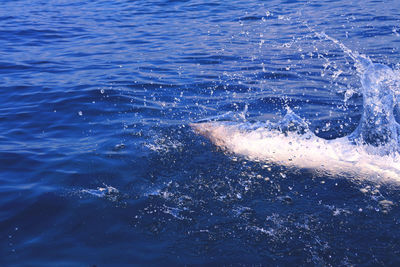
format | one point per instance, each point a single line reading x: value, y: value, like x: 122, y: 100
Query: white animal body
x: 335, y: 157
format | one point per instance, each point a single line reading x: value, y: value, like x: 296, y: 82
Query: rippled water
x: 100, y: 167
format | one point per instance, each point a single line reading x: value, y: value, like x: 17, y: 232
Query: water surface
x: 100, y: 167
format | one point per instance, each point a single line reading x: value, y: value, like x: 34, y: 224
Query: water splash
x: 380, y: 90
x: 372, y: 150
x: 362, y: 62
x: 378, y: 126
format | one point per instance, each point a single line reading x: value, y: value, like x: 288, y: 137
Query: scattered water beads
x: 224, y: 197
x: 107, y: 191
x: 372, y: 149
x: 380, y: 90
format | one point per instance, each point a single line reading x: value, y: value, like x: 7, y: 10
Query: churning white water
x: 370, y: 152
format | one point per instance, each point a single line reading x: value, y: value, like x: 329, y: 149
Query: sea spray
x: 370, y: 152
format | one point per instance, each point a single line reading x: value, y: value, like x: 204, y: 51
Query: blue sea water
x: 98, y: 164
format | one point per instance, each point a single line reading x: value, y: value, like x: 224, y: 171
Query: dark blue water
x: 98, y: 165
